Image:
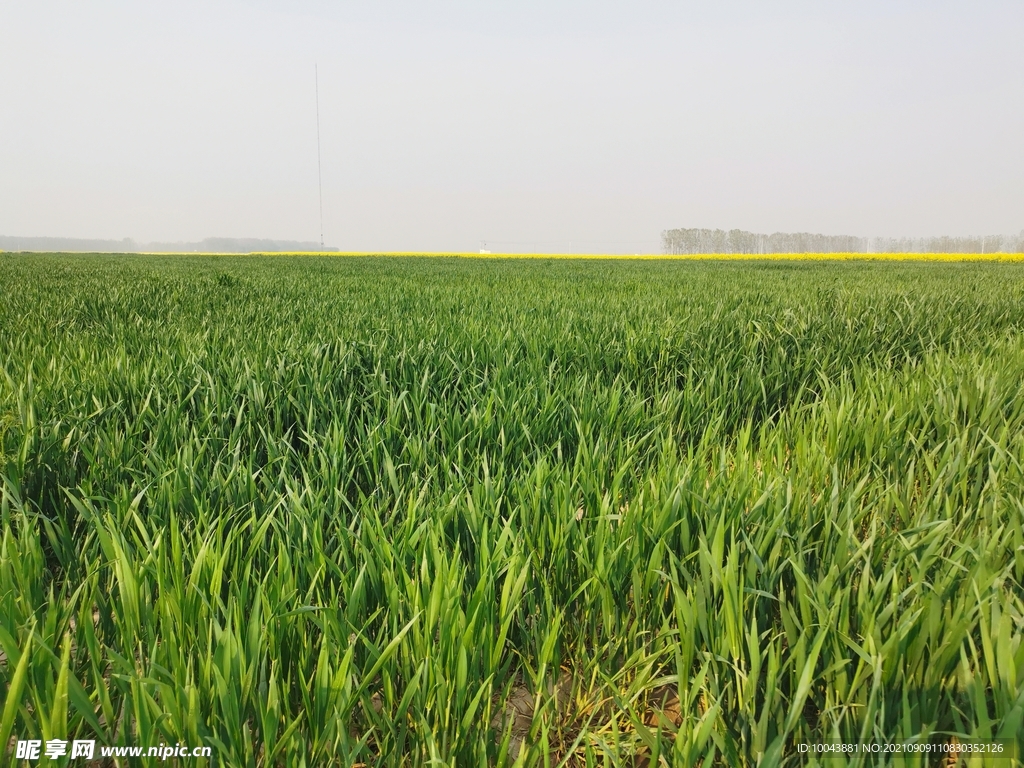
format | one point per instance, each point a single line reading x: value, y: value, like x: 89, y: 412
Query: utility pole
x: 319, y: 173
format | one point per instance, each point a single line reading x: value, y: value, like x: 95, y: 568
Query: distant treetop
x: 692, y: 241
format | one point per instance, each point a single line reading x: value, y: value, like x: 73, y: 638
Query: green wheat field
x: 464, y: 512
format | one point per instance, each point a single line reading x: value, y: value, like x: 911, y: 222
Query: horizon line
x: 797, y: 256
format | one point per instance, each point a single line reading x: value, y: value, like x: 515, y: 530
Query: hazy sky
x: 445, y: 124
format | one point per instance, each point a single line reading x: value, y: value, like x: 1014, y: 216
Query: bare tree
x: 693, y: 241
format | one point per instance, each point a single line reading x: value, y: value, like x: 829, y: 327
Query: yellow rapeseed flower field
x: 945, y: 257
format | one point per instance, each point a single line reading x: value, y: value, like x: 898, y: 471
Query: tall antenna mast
x: 319, y: 173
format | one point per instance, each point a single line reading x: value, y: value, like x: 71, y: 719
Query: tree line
x: 127, y: 245
x: 691, y: 241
